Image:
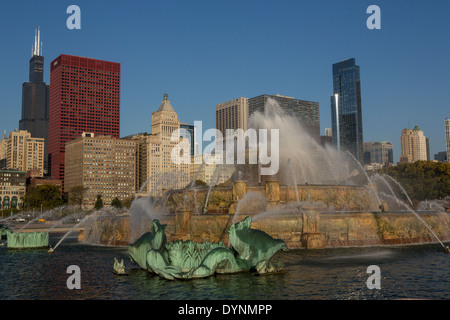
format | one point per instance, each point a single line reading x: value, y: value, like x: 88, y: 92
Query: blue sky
x: 206, y: 52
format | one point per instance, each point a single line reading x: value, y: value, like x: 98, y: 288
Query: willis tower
x: 35, y: 98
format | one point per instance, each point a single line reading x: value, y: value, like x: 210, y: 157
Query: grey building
x: 380, y: 152
x: 35, y: 99
x: 307, y: 112
x: 441, y: 156
x: 192, y: 135
x: 346, y: 113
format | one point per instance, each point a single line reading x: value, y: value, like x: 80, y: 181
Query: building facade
x: 346, y: 110
x: 12, y: 188
x: 210, y: 173
x: 157, y: 168
x: 379, y: 152
x: 24, y: 152
x: 232, y: 114
x: 441, y: 156
x: 413, y: 146
x: 307, y: 112
x: 3, y: 151
x: 447, y: 138
x: 191, y: 134
x: 84, y: 97
x: 103, y: 165
x: 35, y: 99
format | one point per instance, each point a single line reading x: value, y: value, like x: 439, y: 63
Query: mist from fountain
x: 69, y: 232
x: 214, y: 180
x: 401, y: 188
x: 367, y: 176
x: 145, y: 209
x: 312, y: 162
x: 404, y: 204
x: 295, y: 181
x: 251, y: 202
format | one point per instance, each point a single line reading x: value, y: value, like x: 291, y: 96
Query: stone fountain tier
x: 310, y: 229
x: 27, y: 240
x: 324, y: 216
x: 224, y: 199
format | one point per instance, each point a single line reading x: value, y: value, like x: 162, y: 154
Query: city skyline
x: 203, y: 55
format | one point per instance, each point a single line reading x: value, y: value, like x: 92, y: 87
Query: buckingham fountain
x: 319, y: 198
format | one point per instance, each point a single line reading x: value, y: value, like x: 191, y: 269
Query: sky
x: 202, y: 53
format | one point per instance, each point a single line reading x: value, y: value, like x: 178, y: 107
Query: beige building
x: 157, y: 169
x: 102, y: 164
x: 3, y: 149
x: 24, y: 152
x: 232, y: 114
x: 12, y: 188
x: 413, y: 146
x: 216, y: 172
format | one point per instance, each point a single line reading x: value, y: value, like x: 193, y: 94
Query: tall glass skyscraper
x: 346, y: 114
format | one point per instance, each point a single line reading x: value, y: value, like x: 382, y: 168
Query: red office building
x: 84, y: 97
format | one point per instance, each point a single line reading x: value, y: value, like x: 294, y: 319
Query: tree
x: 422, y: 180
x: 99, y: 202
x: 127, y: 202
x: 116, y: 203
x: 76, y: 195
x: 47, y: 195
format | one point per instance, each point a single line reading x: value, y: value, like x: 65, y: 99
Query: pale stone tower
x: 162, y: 172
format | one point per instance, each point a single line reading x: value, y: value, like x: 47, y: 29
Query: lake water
x: 417, y: 272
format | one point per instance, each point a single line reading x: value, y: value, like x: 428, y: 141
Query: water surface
x: 416, y: 272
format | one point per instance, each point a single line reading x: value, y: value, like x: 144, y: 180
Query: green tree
x: 422, y: 180
x: 98, y: 203
x: 47, y: 195
x: 200, y: 183
x: 116, y: 203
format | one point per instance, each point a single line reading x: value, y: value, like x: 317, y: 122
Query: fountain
x: 214, y: 180
x: 27, y: 240
x: 319, y: 198
x: 252, y: 250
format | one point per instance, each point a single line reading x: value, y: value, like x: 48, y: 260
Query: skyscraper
x: 232, y: 114
x: 413, y: 145
x: 35, y: 98
x: 346, y: 113
x: 155, y: 165
x: 447, y: 137
x: 307, y: 112
x: 25, y: 152
x: 84, y: 97
x: 192, y: 132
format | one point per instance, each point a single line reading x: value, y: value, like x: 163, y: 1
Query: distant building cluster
x: 69, y: 134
